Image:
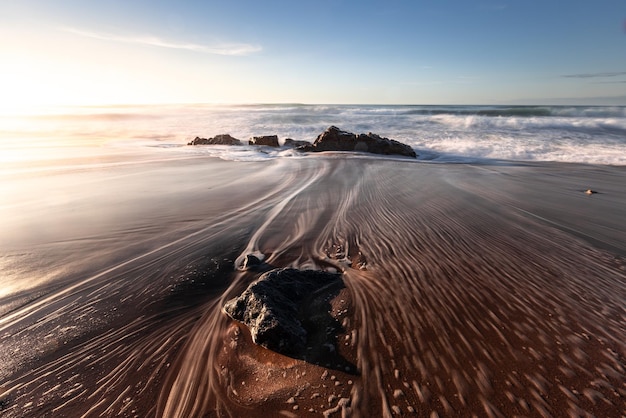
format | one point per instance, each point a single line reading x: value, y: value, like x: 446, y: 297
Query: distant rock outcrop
x: 334, y: 139
x: 224, y: 139
x: 267, y: 140
x: 276, y: 308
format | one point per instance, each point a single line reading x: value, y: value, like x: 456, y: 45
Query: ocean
x: 485, y: 278
x: 577, y: 134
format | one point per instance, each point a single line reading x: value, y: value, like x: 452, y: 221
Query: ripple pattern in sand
x: 458, y: 302
x: 462, y: 305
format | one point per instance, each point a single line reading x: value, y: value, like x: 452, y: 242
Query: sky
x: 80, y: 52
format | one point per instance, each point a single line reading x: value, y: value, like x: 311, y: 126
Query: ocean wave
x: 523, y: 111
x: 584, y: 134
x: 589, y: 125
x: 449, y: 149
x: 466, y: 150
x: 421, y: 110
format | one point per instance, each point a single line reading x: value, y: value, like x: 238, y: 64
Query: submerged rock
x: 276, y: 308
x: 223, y: 139
x: 334, y: 139
x: 267, y: 140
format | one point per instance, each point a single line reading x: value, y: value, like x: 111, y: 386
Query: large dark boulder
x: 278, y: 308
x: 334, y: 139
x: 224, y: 139
x: 267, y: 140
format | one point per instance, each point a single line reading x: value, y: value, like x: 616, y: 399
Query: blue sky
x: 322, y: 51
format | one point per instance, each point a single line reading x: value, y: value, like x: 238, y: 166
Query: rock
x: 216, y: 140
x: 267, y: 140
x: 275, y: 306
x: 251, y: 262
x: 334, y: 139
x: 294, y: 143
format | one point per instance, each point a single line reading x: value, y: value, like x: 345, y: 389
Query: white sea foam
x: 582, y: 134
x: 242, y: 152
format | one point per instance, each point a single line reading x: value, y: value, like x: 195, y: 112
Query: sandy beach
x: 470, y: 289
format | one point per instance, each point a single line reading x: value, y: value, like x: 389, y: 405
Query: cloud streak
x: 153, y: 41
x: 595, y: 75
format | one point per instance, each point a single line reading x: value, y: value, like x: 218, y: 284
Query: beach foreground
x: 486, y: 290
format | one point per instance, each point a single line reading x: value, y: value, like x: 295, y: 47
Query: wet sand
x: 486, y: 290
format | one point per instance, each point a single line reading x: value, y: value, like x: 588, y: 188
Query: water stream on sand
x: 496, y: 290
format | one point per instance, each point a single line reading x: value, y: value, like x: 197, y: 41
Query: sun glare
x: 40, y: 84
x: 27, y: 91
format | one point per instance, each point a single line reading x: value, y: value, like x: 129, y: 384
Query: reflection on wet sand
x: 485, y: 290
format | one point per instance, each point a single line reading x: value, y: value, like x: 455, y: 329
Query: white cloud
x: 147, y: 40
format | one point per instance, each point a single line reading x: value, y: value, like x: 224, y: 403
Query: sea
x: 573, y: 134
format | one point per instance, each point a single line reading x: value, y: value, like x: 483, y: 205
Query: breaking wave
x: 577, y: 134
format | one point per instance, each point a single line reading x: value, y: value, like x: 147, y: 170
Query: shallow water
x: 494, y: 289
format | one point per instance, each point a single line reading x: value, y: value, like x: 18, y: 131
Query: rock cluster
x: 332, y: 139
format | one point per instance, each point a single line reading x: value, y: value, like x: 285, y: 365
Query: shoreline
x: 489, y: 289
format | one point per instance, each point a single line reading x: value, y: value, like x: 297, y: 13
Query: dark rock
x: 276, y: 308
x: 306, y: 148
x: 251, y: 262
x: 334, y: 139
x: 216, y: 140
x: 267, y: 140
x: 294, y: 143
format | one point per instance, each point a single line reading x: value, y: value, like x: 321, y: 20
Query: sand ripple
x: 465, y: 295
